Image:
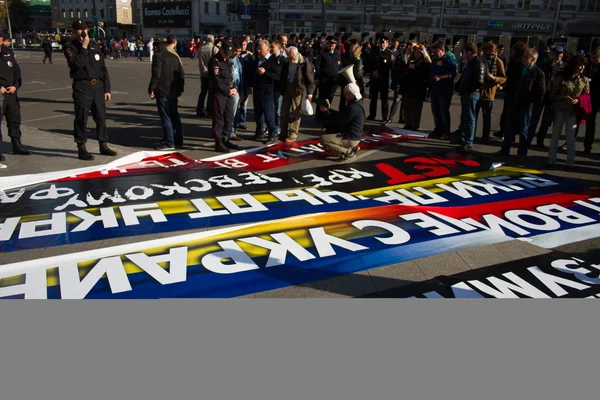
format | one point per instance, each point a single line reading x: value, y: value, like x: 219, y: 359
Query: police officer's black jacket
x: 382, y: 62
x: 87, y: 64
x: 10, y: 72
x: 222, y: 75
x: 168, y: 77
x: 330, y: 64
x: 272, y: 72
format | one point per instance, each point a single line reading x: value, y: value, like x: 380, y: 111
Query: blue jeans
x: 236, y: 105
x: 468, y: 102
x: 518, y: 119
x: 170, y: 121
x: 440, y: 107
x: 486, y: 107
x: 241, y: 116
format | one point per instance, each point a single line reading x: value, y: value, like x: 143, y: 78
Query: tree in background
x: 20, y: 15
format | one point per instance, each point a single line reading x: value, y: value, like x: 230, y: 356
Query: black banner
x: 551, y: 275
x: 174, y: 14
x: 117, y: 191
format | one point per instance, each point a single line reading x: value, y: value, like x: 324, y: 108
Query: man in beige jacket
x: 207, y: 52
x: 494, y: 77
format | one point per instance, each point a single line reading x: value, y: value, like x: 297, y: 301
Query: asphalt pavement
x: 133, y: 124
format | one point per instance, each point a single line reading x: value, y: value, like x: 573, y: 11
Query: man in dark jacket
x: 470, y: 84
x: 345, y: 129
x: 265, y: 71
x: 330, y: 63
x: 441, y: 83
x: 166, y: 85
x: 525, y: 86
x: 381, y: 63
x: 47, y: 47
x: 224, y: 92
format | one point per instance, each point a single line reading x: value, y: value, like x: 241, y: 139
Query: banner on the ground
x: 248, y: 259
x: 282, y: 154
x: 86, y: 210
x: 551, y: 275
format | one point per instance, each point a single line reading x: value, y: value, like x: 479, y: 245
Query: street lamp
x: 556, y: 19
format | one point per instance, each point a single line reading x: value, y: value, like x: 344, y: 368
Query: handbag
x: 307, y: 108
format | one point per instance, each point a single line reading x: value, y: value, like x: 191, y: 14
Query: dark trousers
x: 517, y: 123
x: 440, y: 107
x: 277, y: 103
x: 89, y: 97
x: 413, y: 107
x: 486, y: 107
x: 264, y: 106
x: 242, y: 111
x: 170, y: 120
x: 590, y: 125
x: 327, y: 88
x: 379, y: 90
x: 204, y: 92
x: 397, y: 103
x: 222, y: 122
x: 547, y: 117
x: 48, y: 56
x: 11, y: 109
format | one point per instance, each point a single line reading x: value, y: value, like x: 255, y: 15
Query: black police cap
x: 77, y: 25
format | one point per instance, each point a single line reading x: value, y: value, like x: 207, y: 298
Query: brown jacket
x: 305, y: 77
x: 488, y: 92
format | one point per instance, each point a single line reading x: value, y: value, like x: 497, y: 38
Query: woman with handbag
x: 565, y: 96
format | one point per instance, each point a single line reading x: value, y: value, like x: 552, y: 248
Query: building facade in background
x: 573, y: 23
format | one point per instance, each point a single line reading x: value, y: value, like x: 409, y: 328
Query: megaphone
x: 348, y: 73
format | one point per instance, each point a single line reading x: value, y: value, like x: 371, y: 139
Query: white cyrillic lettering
x: 268, y: 157
x: 171, y: 190
x: 205, y: 186
x: 323, y: 243
x: 547, y: 223
x: 130, y: 214
x: 495, y: 224
x: 428, y: 198
x: 399, y: 235
x: 296, y: 195
x: 588, y: 205
x: 204, y: 210
x: 391, y: 196
x: 132, y: 195
x: 327, y: 197
x: 579, y: 273
x: 280, y: 248
x: 258, y: 179
x: 253, y: 205
x: 7, y: 228
x: 453, y: 221
x: 509, y: 181
x: 224, y: 181
x: 107, y: 217
x: 241, y: 262
x: 52, y: 193
x: 317, y: 180
x: 177, y: 265
x: 231, y: 163
x: 311, y: 147
x: 354, y: 173
x: 461, y: 190
x: 553, y: 282
x: 537, y: 181
x: 488, y: 186
x: 33, y: 288
x: 73, y: 201
x: 71, y: 287
x: 503, y: 289
x: 13, y: 197
x: 429, y: 222
x: 115, y: 198
x: 565, y: 214
x: 57, y: 223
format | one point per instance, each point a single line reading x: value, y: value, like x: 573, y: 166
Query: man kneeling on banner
x: 344, y: 129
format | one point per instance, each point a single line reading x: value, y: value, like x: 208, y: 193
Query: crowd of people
x: 285, y: 72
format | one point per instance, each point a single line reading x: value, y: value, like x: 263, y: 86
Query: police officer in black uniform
x: 330, y: 65
x: 91, y: 88
x: 381, y: 63
x: 223, y: 93
x: 10, y: 82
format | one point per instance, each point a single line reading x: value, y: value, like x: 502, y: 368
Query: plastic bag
x: 307, y: 108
